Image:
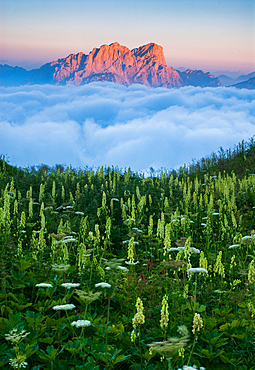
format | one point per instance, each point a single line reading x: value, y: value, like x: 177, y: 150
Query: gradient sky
x: 213, y: 35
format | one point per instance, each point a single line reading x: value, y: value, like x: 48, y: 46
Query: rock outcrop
x: 116, y: 63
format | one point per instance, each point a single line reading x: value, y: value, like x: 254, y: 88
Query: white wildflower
x: 176, y: 249
x: 44, y: 285
x: 234, y: 246
x: 197, y: 269
x: 13, y: 363
x: 194, y: 250
x: 247, y: 237
x: 103, y: 285
x: 81, y: 323
x: 131, y: 263
x: 64, y: 307
x: 122, y: 268
x: 70, y: 285
x: 15, y: 337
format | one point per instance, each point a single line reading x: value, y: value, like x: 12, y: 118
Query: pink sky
x: 208, y: 35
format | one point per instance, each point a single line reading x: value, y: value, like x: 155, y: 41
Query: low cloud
x: 107, y: 124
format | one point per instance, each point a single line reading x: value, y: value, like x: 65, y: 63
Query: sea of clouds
x: 107, y: 124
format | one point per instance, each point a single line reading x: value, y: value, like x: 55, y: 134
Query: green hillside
x: 108, y: 269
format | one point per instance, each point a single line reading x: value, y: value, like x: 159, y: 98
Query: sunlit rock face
x: 116, y: 63
x: 112, y: 63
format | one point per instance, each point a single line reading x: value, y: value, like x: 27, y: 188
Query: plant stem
x: 108, y: 316
x: 140, y: 348
x: 58, y: 338
x: 85, y: 312
x: 192, y: 349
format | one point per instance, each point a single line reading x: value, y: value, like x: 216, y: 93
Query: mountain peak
x: 117, y: 63
x: 151, y: 49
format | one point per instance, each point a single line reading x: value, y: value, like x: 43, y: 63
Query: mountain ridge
x: 113, y: 63
x: 228, y: 81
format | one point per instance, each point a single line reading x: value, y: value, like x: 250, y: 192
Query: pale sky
x: 212, y: 35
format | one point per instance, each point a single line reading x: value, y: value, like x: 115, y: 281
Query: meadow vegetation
x: 110, y: 269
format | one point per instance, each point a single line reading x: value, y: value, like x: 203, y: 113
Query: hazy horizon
x: 29, y: 65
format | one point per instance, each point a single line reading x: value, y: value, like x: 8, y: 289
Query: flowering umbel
x: 139, y: 316
x: 15, y: 337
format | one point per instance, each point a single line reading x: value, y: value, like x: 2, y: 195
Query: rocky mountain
x: 114, y: 63
x: 199, y: 78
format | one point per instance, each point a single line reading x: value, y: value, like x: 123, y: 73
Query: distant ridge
x: 113, y: 63
x: 227, y: 81
x: 250, y: 84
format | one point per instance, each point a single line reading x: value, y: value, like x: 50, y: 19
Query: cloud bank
x: 106, y: 124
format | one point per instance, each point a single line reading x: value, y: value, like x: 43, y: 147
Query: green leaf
x: 224, y: 359
x: 238, y: 336
x: 118, y: 359
x: 51, y: 351
x: 45, y: 340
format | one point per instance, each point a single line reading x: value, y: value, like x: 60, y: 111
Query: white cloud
x: 107, y: 124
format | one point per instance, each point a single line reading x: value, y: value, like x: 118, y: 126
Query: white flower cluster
x: 81, y: 323
x: 131, y: 263
x: 64, y: 307
x: 70, y: 285
x: 234, y: 246
x: 13, y: 363
x: 197, y: 269
x: 103, y: 285
x: 122, y: 268
x: 44, y: 285
x: 15, y: 337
